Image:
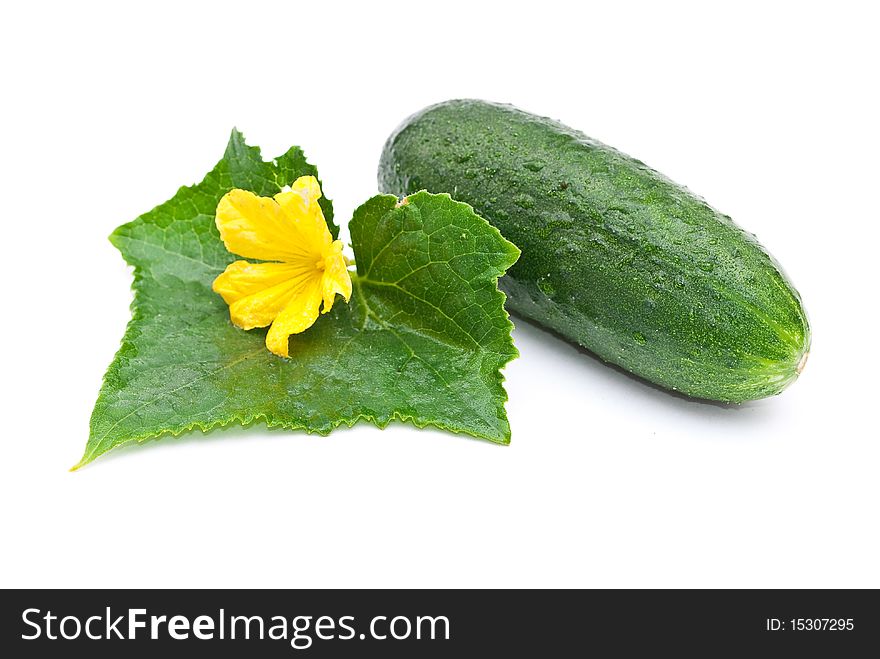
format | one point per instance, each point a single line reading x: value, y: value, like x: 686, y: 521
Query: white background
x: 768, y: 110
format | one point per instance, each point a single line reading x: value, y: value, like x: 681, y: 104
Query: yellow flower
x: 306, y: 265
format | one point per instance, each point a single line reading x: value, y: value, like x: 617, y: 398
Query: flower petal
x: 336, y: 277
x: 257, y: 292
x: 256, y: 228
x: 300, y: 313
x: 302, y: 198
x: 301, y: 206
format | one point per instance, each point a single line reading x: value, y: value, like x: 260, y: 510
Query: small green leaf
x: 422, y: 339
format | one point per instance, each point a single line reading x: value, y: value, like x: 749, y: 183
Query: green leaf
x: 422, y: 339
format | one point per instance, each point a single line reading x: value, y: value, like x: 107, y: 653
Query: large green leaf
x: 422, y: 340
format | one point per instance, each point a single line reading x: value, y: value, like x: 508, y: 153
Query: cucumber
x: 615, y: 257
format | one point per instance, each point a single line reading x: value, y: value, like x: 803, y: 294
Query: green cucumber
x: 615, y: 256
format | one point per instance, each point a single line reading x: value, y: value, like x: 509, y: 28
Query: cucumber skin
x: 615, y: 257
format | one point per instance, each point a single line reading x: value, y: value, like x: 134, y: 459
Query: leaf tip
x: 87, y: 457
x: 236, y: 145
x: 514, y: 251
x: 114, y: 237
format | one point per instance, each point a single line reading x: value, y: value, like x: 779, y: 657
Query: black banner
x: 432, y: 623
